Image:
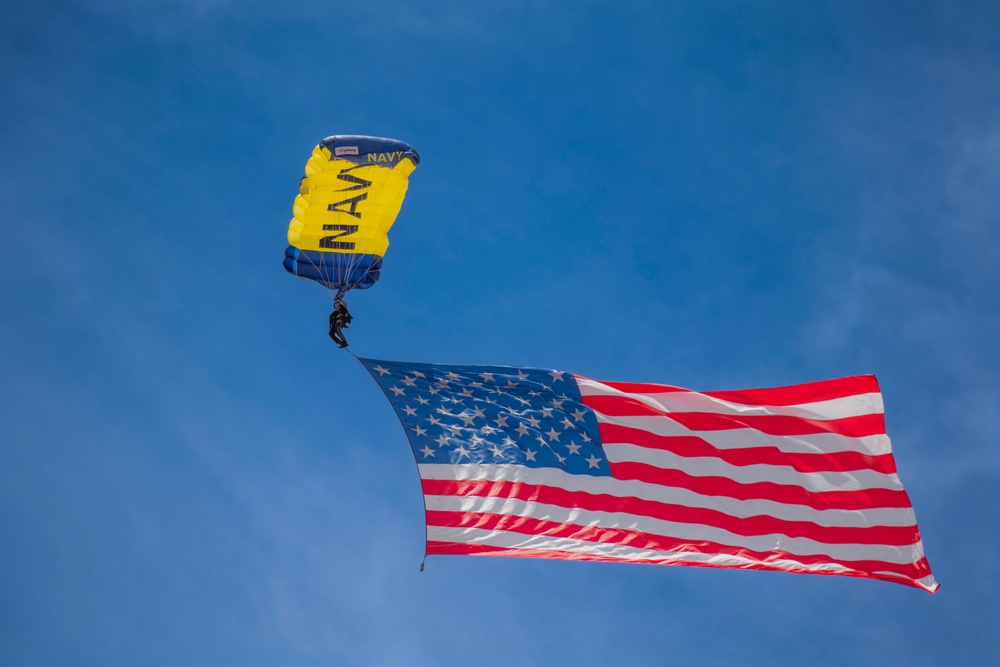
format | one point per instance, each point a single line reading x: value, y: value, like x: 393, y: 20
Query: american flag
x: 546, y: 464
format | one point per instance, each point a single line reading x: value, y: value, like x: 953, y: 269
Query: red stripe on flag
x: 854, y: 427
x: 436, y: 548
x: 661, y: 543
x: 810, y: 392
x: 780, y: 493
x: 746, y: 526
x: 693, y: 446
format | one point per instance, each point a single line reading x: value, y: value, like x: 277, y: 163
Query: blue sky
x: 713, y: 195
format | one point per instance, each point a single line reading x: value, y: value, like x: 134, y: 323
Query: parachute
x: 350, y: 196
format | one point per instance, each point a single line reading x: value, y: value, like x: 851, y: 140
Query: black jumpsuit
x: 339, y: 319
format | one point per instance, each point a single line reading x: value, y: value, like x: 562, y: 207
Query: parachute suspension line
x: 322, y: 272
x: 328, y: 280
x: 315, y: 266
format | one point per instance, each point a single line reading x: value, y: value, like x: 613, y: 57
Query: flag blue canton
x: 493, y: 415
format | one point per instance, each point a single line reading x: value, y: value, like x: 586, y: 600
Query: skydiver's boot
x: 338, y: 337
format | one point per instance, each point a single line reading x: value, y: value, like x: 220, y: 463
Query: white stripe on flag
x: 883, y: 516
x: 741, y: 438
x: 692, y: 401
x: 705, y: 466
x: 796, y: 546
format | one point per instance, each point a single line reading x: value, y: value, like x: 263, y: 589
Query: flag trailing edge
x: 539, y: 463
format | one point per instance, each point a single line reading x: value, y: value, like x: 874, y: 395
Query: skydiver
x: 339, y: 319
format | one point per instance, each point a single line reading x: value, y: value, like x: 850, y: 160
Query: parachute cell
x: 350, y: 196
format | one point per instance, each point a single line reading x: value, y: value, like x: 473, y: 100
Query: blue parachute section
x: 336, y: 271
x: 369, y: 150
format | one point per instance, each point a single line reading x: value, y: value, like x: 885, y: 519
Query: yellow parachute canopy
x: 350, y: 197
